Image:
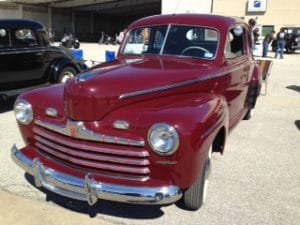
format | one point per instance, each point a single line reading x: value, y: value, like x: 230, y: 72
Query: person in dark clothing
x: 267, y: 40
x: 256, y: 35
x: 280, y: 43
x: 252, y: 23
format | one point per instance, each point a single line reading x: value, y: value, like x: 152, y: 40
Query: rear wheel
x: 194, y: 197
x: 66, y: 73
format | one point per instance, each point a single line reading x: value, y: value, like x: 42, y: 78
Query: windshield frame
x: 161, y: 52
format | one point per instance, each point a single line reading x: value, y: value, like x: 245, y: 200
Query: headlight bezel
x: 23, y: 106
x: 164, y: 128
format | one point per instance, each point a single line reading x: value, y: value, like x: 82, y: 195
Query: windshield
x: 179, y: 40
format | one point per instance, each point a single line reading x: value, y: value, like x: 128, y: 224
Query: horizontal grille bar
x: 109, y: 160
x: 92, y: 156
x: 93, y: 164
x: 90, y: 147
x: 77, y: 129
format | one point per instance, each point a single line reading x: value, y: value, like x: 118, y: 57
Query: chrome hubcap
x: 206, y: 175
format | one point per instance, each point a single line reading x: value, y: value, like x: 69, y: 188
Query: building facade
x: 275, y: 14
x: 89, y: 21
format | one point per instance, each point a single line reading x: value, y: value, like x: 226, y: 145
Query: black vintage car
x: 292, y: 39
x: 27, y: 60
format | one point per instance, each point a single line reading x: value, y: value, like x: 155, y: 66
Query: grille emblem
x: 73, y: 128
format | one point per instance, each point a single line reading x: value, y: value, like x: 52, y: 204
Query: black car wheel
x: 66, y: 73
x: 194, y: 197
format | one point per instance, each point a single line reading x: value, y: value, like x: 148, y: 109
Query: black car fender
x: 58, y: 65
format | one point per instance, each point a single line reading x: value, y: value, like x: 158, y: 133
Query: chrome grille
x: 107, y: 159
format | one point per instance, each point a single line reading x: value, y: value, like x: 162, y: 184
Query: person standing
x: 267, y: 40
x: 280, y: 43
x: 256, y: 35
x: 51, y: 35
x: 252, y: 23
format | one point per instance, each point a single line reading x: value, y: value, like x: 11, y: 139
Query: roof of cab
x: 21, y: 23
x: 189, y: 19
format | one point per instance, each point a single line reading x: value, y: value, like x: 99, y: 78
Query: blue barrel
x: 77, y: 54
x: 109, y: 56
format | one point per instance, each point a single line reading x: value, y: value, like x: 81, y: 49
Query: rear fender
x: 58, y: 65
x: 256, y: 76
x: 254, y: 87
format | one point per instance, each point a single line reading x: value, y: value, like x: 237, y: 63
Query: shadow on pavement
x: 294, y: 87
x: 7, y: 105
x: 297, y: 123
x: 116, y: 209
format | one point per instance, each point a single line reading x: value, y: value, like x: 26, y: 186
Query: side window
x: 235, y: 45
x: 145, y: 40
x: 4, y: 38
x: 44, y: 38
x: 24, y: 38
x: 158, y: 40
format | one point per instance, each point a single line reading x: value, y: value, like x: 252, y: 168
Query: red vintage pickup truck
x: 142, y: 128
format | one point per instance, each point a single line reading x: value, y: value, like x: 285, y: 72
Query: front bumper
x: 90, y: 190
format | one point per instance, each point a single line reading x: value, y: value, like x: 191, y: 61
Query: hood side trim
x: 176, y: 85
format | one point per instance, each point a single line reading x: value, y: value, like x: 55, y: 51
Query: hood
x: 94, y: 94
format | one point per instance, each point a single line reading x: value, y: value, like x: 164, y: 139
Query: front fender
x: 196, y: 117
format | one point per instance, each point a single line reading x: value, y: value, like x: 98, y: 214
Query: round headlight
x: 23, y: 111
x: 163, y: 138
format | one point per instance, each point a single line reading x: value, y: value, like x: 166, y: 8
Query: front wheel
x: 66, y: 74
x: 249, y: 114
x: 194, y: 197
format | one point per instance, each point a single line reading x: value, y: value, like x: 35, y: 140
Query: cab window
x: 192, y: 41
x: 235, y: 44
x: 4, y: 38
x: 24, y: 38
x: 44, y: 38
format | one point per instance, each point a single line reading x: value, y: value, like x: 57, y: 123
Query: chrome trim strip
x: 76, y: 129
x: 165, y: 40
x: 91, y: 148
x: 90, y: 190
x: 177, y: 85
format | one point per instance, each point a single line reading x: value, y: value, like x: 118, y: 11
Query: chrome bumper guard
x: 87, y: 189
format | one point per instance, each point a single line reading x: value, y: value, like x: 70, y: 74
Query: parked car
x: 28, y: 60
x: 292, y: 40
x: 142, y: 128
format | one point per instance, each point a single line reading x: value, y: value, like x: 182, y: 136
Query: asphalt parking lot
x: 256, y: 181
